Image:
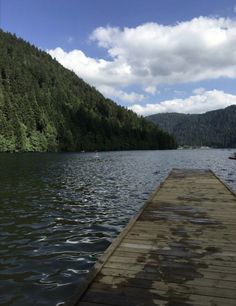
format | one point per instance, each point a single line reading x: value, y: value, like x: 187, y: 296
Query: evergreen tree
x: 45, y: 107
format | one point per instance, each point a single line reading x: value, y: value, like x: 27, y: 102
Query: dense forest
x: 45, y: 107
x: 214, y: 129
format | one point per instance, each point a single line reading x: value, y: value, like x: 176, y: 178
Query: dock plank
x: 180, y: 249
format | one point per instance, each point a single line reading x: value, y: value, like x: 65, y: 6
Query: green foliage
x: 45, y: 107
x: 213, y: 129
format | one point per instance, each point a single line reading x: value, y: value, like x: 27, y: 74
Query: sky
x: 150, y: 56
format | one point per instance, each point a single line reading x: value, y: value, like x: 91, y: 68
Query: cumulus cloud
x: 179, y: 92
x: 151, y: 90
x: 199, y: 103
x: 199, y: 91
x: 130, y: 97
x: 94, y: 71
x: 106, y: 76
x: 199, y: 49
x: 152, y: 54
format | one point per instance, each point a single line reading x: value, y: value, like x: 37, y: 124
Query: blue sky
x: 149, y: 55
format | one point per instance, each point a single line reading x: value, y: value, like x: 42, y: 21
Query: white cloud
x: 199, y: 49
x: 200, y: 103
x: 151, y: 90
x: 179, y: 92
x: 152, y: 54
x: 102, y: 74
x: 199, y: 91
x: 97, y: 72
x: 130, y: 97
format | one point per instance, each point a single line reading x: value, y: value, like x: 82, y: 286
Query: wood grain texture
x: 180, y: 249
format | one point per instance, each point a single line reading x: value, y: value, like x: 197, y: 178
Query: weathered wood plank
x: 227, y: 245
x: 115, y: 262
x: 179, y: 250
x: 224, y: 260
x: 142, y: 283
x: 153, y: 239
x: 119, y: 298
x: 164, y: 289
x: 211, y: 264
x: 169, y: 274
x: 223, y: 255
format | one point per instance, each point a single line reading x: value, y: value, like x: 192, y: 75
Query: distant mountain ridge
x: 214, y: 129
x: 46, y: 107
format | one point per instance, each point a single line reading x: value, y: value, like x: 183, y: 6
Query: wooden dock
x: 179, y: 250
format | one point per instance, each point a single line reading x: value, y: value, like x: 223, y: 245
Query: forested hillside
x: 214, y: 129
x: 45, y: 107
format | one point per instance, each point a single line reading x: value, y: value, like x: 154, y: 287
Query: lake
x: 60, y: 211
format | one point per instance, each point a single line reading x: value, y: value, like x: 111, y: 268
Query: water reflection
x: 60, y: 211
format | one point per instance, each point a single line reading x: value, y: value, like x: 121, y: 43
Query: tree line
x: 45, y: 107
x: 213, y: 129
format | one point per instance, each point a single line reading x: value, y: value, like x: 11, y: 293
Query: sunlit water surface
x: 59, y: 212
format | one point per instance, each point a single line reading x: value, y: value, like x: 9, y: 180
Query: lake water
x: 59, y: 212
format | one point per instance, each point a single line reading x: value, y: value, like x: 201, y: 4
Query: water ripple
x: 59, y: 212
